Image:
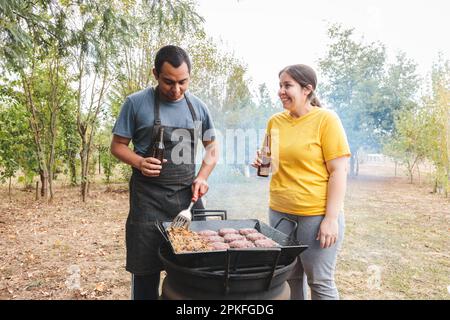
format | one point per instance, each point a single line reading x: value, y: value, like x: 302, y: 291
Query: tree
x: 150, y: 25
x: 95, y: 31
x: 353, y: 72
x: 397, y: 91
x: 410, y: 143
x: 69, y: 142
x: 15, y: 140
x: 106, y: 160
x: 113, y: 44
x: 439, y: 109
x: 33, y: 36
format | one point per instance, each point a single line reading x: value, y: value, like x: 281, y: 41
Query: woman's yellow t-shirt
x: 300, y: 148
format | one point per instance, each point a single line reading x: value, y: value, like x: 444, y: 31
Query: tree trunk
x: 86, y: 128
x: 352, y: 165
x: 44, y: 183
x: 54, y: 108
x: 410, y: 173
x: 84, y: 170
x: 395, y: 170
x: 357, y: 165
x: 418, y: 172
x: 9, y: 189
x: 50, y: 168
x: 34, y: 123
x: 37, y: 190
x: 73, y: 171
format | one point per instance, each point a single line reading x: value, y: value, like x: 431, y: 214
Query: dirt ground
x: 396, y: 242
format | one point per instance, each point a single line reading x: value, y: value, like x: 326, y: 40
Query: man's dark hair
x: 173, y: 55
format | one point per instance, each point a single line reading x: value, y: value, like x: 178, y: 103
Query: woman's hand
x: 199, y: 188
x: 328, y: 232
x: 257, y: 162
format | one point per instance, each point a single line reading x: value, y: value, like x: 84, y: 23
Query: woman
x: 309, y: 153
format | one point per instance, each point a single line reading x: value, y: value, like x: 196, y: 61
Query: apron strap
x: 191, y: 109
x: 157, y: 120
x: 196, y: 124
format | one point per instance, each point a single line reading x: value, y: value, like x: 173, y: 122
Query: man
x: 158, y: 191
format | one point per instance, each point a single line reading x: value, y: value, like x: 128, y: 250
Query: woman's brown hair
x: 304, y: 75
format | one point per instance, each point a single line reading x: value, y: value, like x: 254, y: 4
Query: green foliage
x: 409, y: 145
x: 398, y: 91
x: 34, y: 36
x: 365, y: 92
x: 16, y: 141
x: 353, y: 72
x: 69, y: 141
x: 439, y: 109
x: 422, y: 130
x: 177, y: 19
x: 125, y: 171
x: 107, y: 160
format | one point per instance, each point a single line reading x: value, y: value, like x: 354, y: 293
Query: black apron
x: 158, y: 198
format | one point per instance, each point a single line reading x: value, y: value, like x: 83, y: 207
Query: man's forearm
x: 205, y: 170
x: 209, y: 161
x: 125, y: 154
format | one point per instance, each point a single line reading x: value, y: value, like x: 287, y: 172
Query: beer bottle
x: 264, y: 168
x: 158, y: 147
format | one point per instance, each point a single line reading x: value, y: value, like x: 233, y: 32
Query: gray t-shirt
x: 136, y: 117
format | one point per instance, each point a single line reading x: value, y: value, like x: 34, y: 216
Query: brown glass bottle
x: 158, y: 147
x: 264, y: 168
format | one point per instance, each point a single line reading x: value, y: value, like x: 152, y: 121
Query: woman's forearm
x: 337, y: 184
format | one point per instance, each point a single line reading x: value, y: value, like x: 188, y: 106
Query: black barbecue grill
x: 233, y: 272
x: 229, y: 279
x: 286, y: 253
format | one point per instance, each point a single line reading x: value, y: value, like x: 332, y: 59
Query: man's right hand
x: 151, y: 167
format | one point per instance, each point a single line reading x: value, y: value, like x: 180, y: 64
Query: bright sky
x: 268, y: 35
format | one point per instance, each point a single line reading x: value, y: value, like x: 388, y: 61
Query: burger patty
x: 241, y: 244
x: 266, y: 243
x: 211, y: 239
x: 233, y: 237
x: 224, y: 231
x: 246, y: 231
x: 219, y: 246
x: 207, y: 233
x: 255, y: 236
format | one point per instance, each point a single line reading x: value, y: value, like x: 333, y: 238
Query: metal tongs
x: 184, y: 218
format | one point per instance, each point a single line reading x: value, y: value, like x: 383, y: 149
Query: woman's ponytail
x: 314, y: 100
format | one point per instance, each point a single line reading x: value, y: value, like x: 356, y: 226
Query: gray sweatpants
x: 316, y: 265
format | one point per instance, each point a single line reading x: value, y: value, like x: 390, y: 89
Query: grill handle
x: 294, y: 230
x: 204, y: 213
x: 160, y: 227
